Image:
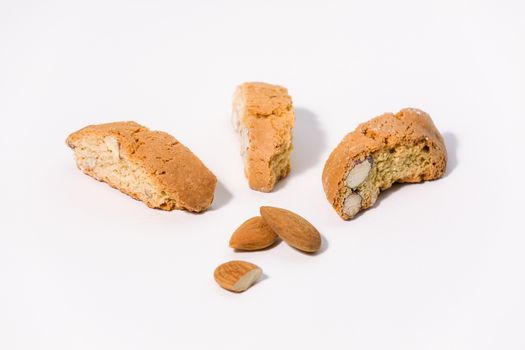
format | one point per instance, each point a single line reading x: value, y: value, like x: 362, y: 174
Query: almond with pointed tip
x: 253, y: 234
x: 292, y: 228
x: 236, y: 275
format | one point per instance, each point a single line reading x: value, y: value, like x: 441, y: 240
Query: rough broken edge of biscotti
x: 259, y: 109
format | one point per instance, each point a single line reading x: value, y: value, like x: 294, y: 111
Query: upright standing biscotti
x: 263, y: 116
x: 151, y: 166
x: 402, y: 147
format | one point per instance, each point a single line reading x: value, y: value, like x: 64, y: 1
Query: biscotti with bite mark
x: 151, y: 166
x: 263, y: 116
x: 402, y: 147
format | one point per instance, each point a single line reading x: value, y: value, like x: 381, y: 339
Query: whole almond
x: 237, y: 275
x: 292, y: 228
x: 253, y: 234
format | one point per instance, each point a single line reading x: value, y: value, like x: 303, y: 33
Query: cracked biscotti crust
x: 263, y: 115
x: 151, y: 166
x: 402, y: 147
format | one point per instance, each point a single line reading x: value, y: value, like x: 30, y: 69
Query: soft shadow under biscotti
x: 221, y: 198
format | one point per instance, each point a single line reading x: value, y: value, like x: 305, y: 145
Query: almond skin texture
x: 253, y: 234
x: 292, y: 228
x: 236, y: 275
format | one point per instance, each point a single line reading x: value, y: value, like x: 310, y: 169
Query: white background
x: 433, y: 266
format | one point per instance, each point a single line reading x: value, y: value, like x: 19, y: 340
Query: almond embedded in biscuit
x: 402, y: 147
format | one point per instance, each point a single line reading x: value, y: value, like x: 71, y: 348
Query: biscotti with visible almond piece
x: 402, y: 147
x: 151, y: 166
x: 263, y: 116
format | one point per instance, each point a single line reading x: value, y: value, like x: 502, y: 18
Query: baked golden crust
x: 408, y: 127
x: 264, y: 114
x: 180, y: 178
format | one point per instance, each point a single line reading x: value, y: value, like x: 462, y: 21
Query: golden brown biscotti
x: 151, y: 166
x: 402, y: 147
x: 263, y: 116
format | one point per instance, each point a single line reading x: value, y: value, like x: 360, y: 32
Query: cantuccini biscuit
x: 263, y: 116
x: 151, y: 166
x: 402, y: 147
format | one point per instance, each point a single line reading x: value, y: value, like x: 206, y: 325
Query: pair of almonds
x: 261, y: 232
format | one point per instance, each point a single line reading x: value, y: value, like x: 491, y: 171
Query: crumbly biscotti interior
x: 280, y: 163
x: 238, y: 112
x: 100, y: 158
x: 403, y: 163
